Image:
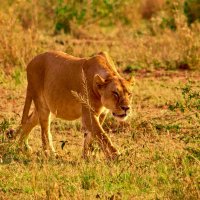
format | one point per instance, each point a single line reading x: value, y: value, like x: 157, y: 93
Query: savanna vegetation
x: 157, y: 42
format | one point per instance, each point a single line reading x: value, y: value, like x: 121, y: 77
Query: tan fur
x: 53, y: 76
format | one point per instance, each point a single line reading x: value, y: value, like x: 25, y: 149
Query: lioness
x: 54, y: 77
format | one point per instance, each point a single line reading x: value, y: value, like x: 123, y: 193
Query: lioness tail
x: 27, y: 106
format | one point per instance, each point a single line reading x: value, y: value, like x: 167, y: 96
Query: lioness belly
x: 64, y: 108
x: 68, y: 112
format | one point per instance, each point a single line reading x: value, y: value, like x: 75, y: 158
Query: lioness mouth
x: 121, y: 116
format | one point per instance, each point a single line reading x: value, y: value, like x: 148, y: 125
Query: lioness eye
x: 116, y: 94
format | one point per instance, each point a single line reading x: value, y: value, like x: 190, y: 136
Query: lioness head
x: 115, y: 95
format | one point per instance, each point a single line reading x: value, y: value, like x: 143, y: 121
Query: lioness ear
x: 98, y: 80
x: 131, y: 80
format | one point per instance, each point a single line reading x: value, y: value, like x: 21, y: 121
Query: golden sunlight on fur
x: 59, y: 83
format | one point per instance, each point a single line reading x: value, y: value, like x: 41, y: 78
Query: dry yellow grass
x: 160, y: 148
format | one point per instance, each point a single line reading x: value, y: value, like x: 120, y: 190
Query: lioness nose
x: 125, y: 108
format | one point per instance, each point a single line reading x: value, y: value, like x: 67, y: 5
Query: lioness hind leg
x: 44, y: 120
x: 46, y: 135
x: 26, y: 128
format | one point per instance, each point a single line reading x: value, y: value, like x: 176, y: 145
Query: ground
x: 152, y: 40
x: 157, y: 162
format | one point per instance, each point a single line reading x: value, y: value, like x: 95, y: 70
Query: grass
x: 160, y: 141
x: 157, y: 162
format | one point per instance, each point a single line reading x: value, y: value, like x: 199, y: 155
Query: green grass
x: 159, y: 142
x: 160, y: 175
x: 157, y: 162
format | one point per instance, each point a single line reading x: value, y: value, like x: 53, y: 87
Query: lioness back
x: 54, y: 75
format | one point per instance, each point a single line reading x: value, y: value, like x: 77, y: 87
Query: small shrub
x: 4, y: 126
x: 87, y: 179
x: 131, y: 68
x: 150, y: 7
x: 102, y: 12
x: 191, y: 100
x: 168, y: 23
x: 192, y: 10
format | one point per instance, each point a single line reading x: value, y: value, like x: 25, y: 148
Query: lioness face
x: 116, y: 96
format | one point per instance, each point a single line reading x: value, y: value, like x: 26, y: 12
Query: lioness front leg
x: 87, y: 142
x: 91, y: 123
x: 102, y: 117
